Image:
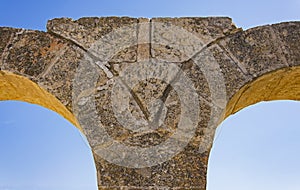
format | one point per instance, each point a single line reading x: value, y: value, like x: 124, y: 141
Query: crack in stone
x: 12, y: 39
x: 52, y: 63
x: 169, y: 88
x: 215, y: 41
x: 104, y: 67
x: 279, y: 43
x: 218, y: 41
x: 239, y: 64
x: 164, y: 97
x: 110, y: 73
x: 144, y: 109
x: 5, y: 52
x: 150, y: 37
x: 143, y: 39
x: 74, y: 42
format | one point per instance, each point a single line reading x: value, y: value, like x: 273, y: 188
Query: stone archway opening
x: 282, y: 84
x: 42, y: 150
x: 41, y: 141
x: 16, y: 87
x: 257, y: 148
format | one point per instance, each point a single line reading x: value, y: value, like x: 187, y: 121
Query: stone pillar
x: 171, y: 150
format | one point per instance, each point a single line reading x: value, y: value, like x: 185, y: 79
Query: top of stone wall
x: 87, y: 30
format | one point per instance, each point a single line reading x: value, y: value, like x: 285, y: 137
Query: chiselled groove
x: 110, y: 72
x: 71, y: 41
x: 239, y: 64
x: 94, y: 57
x: 150, y: 37
x: 5, y: 52
x: 138, y: 39
x: 13, y: 37
x: 220, y: 42
x: 228, y: 34
x: 52, y: 63
x: 163, y: 98
x: 216, y: 41
x: 279, y: 44
x: 169, y: 87
x: 138, y: 101
x: 143, y: 40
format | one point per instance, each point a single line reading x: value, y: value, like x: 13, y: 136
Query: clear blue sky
x: 256, y: 149
x: 41, y: 150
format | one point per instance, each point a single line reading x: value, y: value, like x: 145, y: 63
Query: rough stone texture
x: 84, y: 32
x: 249, y: 66
x: 189, y: 35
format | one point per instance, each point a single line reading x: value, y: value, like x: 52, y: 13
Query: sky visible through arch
x: 28, y: 132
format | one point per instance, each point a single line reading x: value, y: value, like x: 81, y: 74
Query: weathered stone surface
x: 57, y: 78
x: 178, y: 39
x: 257, y: 50
x: 91, y: 70
x: 31, y: 52
x: 287, y: 35
x: 6, y: 38
x: 85, y: 32
x: 43, y: 58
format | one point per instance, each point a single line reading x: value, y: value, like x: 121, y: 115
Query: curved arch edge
x: 281, y: 84
x: 16, y: 87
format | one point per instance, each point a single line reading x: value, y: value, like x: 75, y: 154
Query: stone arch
x: 269, y: 56
x: 281, y: 84
x: 258, y: 64
x: 37, y: 67
x: 244, y: 142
